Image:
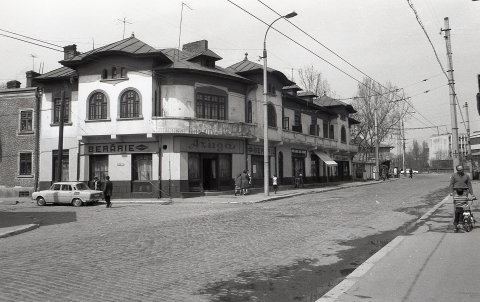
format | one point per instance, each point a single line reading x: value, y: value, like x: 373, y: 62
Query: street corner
x: 19, y: 229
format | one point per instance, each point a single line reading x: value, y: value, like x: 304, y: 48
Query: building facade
x: 19, y: 136
x: 173, y: 123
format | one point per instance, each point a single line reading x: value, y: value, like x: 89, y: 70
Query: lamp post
x: 266, y: 171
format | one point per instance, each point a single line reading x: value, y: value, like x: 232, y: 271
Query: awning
x: 326, y: 159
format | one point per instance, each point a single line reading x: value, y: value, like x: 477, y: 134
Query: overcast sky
x: 381, y: 38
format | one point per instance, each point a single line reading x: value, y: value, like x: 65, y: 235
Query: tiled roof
x: 130, y: 45
x: 206, y: 53
x: 62, y: 72
x: 330, y: 102
x: 292, y: 87
x: 247, y: 65
x: 173, y: 54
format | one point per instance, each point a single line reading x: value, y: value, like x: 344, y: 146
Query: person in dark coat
x: 245, y: 180
x: 238, y: 184
x: 107, y: 191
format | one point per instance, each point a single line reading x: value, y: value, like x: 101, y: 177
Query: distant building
x: 19, y: 133
x: 440, y: 151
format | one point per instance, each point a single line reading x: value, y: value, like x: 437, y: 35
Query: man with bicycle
x: 460, y: 183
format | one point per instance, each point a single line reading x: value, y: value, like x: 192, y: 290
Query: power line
x: 10, y: 32
x: 31, y: 42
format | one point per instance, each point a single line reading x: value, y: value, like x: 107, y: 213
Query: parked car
x: 67, y: 192
x: 408, y: 171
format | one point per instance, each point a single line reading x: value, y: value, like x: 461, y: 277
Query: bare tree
x: 313, y: 81
x: 390, y: 108
x: 3, y: 85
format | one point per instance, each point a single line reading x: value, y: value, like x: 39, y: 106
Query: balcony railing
x: 316, y: 141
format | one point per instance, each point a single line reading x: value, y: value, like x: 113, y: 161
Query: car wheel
x: 41, y: 201
x: 77, y: 202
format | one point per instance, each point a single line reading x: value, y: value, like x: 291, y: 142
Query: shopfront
x: 298, y: 162
x: 210, y: 162
x: 257, y: 160
x: 343, y: 168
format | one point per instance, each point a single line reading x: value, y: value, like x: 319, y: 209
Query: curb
x: 18, y: 230
x: 360, y: 271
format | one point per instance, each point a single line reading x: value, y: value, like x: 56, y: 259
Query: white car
x: 68, y: 192
x: 408, y: 171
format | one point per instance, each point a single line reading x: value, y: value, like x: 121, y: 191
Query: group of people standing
x: 243, y: 181
x: 107, y: 189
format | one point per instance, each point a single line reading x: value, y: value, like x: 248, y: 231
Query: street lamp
x: 266, y: 171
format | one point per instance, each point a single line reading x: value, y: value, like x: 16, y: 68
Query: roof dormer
x: 200, y: 53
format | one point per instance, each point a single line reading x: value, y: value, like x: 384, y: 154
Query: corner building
x: 158, y: 122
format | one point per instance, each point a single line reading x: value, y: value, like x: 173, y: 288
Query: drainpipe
x: 38, y: 99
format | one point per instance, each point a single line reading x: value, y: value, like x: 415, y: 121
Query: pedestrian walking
x: 245, y: 180
x: 107, y: 191
x: 275, y: 183
x: 411, y: 173
x: 238, y: 184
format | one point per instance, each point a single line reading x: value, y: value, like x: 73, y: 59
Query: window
x: 271, y: 89
x: 249, y: 112
x: 157, y: 105
x: 97, y: 106
x: 343, y: 135
x: 325, y: 129
x: 104, y: 74
x: 65, y: 166
x: 211, y: 106
x: 272, y: 116
x: 142, y: 166
x: 123, y: 72
x: 286, y: 123
x: 114, y: 72
x: 298, y: 118
x: 66, y: 188
x: 25, y: 164
x: 56, y: 110
x: 332, y: 132
x: 56, y: 187
x: 130, y: 104
x: 98, y: 166
x: 26, y: 121
x: 141, y: 173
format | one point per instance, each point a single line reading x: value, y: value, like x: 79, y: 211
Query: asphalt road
x: 286, y: 250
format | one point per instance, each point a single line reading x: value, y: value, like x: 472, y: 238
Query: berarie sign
x: 119, y: 148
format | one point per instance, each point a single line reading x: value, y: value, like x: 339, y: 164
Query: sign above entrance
x: 258, y: 150
x: 340, y: 157
x: 119, y: 148
x: 207, y: 145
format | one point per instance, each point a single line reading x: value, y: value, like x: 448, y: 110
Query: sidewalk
x: 431, y: 264
x: 15, y: 225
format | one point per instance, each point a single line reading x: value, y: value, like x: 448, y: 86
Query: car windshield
x: 82, y: 186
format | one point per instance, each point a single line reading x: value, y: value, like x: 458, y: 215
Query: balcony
x: 174, y: 125
x: 293, y: 137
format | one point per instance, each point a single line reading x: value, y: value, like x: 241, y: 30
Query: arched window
x: 123, y: 72
x: 130, y: 104
x: 343, y: 135
x: 272, y: 116
x: 97, y: 106
x: 114, y: 72
x: 249, y: 112
x: 104, y: 74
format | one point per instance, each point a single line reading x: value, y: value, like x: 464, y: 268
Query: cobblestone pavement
x: 180, y: 252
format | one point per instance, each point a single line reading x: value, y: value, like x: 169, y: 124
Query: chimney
x: 13, y: 84
x: 70, y: 51
x: 196, y: 47
x: 30, y: 76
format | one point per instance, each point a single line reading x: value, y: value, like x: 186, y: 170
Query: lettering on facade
x: 340, y: 157
x: 115, y: 148
x: 205, y: 145
x: 258, y: 150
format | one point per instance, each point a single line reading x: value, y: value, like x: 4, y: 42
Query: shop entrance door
x: 210, y: 181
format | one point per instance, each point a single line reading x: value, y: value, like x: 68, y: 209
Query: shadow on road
x: 9, y: 219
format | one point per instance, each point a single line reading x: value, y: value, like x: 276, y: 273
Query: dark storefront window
x: 314, y: 166
x: 98, y: 166
x: 141, y: 172
x: 209, y: 171
x: 65, y: 165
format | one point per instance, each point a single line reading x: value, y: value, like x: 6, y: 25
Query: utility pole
x: 403, y: 149
x: 469, y: 146
x: 451, y: 84
x: 60, y: 138
x: 377, y: 165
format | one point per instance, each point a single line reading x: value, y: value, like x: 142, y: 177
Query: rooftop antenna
x: 33, y: 59
x: 180, y: 33
x: 124, y: 21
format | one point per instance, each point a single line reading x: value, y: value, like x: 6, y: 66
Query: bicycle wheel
x: 467, y: 224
